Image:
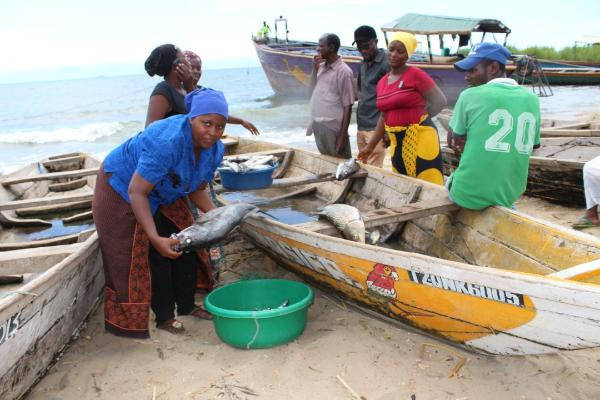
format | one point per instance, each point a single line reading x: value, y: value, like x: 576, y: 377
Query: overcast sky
x: 66, y: 37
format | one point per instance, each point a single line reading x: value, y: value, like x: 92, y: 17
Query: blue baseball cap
x: 483, y: 51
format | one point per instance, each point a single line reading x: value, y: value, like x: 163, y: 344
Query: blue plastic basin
x: 249, y: 180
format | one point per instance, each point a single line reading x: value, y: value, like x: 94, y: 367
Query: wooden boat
x: 53, y: 261
x: 556, y: 167
x: 288, y: 63
x: 464, y: 276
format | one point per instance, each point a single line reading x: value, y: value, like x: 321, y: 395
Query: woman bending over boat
x: 408, y: 98
x: 140, y: 200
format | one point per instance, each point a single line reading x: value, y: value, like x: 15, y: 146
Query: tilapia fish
x: 347, y: 219
x: 347, y: 168
x: 212, y: 227
x: 254, y: 163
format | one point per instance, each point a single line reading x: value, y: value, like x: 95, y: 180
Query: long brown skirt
x: 124, y: 247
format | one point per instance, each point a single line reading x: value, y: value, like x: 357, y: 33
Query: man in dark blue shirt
x: 372, y: 69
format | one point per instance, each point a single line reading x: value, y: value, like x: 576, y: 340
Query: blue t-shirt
x: 163, y: 154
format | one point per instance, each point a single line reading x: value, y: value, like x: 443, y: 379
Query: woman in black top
x: 181, y: 75
x: 167, y: 98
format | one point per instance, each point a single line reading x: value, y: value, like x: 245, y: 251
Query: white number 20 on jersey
x: 525, y: 132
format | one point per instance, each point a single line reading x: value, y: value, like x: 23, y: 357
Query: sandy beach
x: 343, y: 354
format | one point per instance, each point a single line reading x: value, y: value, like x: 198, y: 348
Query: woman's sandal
x: 584, y: 222
x: 201, y: 313
x: 172, y: 326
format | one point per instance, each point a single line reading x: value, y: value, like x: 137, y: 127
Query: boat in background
x: 51, y: 275
x: 555, y: 168
x: 462, y: 275
x: 288, y: 63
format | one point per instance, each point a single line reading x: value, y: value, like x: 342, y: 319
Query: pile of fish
x: 347, y: 168
x: 243, y: 165
x: 212, y: 227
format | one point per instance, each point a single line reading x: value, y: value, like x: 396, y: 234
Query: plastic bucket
x: 249, y: 180
x: 247, y: 314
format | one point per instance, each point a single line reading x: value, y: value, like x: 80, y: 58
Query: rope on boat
x: 255, y: 333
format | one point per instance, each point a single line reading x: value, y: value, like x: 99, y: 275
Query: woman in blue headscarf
x: 140, y: 199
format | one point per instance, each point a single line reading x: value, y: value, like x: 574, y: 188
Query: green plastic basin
x: 248, y: 314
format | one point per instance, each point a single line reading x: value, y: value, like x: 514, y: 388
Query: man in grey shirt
x: 332, y: 95
x: 372, y: 69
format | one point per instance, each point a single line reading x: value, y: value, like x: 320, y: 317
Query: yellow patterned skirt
x: 415, y: 150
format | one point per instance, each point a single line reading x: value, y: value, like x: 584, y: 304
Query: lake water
x: 95, y: 115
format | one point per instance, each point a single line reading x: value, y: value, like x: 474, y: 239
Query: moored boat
x: 462, y: 275
x: 49, y: 251
x: 288, y: 63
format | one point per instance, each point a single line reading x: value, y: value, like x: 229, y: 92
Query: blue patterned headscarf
x: 206, y: 101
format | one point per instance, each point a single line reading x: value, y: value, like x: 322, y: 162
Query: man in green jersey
x: 494, y: 128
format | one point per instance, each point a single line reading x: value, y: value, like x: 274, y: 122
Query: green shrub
x: 571, y: 53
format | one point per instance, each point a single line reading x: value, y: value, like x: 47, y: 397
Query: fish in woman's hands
x: 347, y: 219
x: 212, y: 227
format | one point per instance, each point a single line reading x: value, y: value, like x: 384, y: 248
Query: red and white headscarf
x: 191, y: 56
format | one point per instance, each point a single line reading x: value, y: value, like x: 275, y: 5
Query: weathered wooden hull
x: 555, y: 169
x: 288, y: 69
x: 63, y: 284
x: 567, y: 73
x: 464, y: 276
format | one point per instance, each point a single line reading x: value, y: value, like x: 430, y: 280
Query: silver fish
x: 347, y: 219
x: 347, y: 168
x: 374, y: 237
x: 212, y: 227
x: 246, y: 164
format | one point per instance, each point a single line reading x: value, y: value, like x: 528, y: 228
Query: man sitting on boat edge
x: 494, y: 128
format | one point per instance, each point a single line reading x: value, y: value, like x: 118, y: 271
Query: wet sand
x: 373, y: 358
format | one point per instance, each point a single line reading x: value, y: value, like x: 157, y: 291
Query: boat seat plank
x: 274, y: 152
x: 34, y: 260
x: 305, y: 191
x: 53, y: 209
x: 86, y: 215
x: 45, y: 201
x: 52, y: 175
x: 554, y: 132
x: 70, y: 185
x: 384, y: 216
x: 298, y: 181
x: 66, y: 163
x: 66, y: 239
x: 66, y: 155
x: 8, y: 221
x: 579, y: 272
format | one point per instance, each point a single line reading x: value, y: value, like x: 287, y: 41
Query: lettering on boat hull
x: 9, y: 327
x: 306, y: 258
x: 467, y: 288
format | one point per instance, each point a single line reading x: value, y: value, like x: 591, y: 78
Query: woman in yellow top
x: 408, y: 98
